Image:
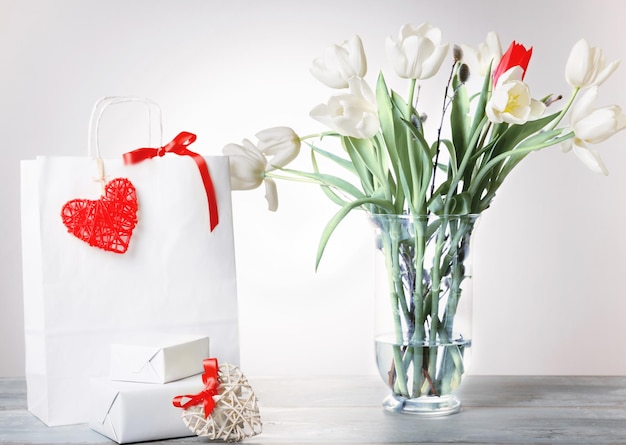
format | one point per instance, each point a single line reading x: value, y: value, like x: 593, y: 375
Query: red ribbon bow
x: 179, y: 146
x: 204, y: 397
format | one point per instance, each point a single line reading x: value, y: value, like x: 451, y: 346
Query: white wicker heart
x: 236, y: 413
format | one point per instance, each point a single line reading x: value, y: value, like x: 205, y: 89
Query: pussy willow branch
x: 446, y: 103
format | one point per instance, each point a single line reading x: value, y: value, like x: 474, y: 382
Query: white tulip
x: 488, y: 53
x: 281, y: 143
x: 418, y: 53
x: 586, y: 66
x: 247, y: 165
x: 592, y: 126
x: 247, y: 170
x: 591, y: 158
x: 350, y: 114
x: 271, y: 194
x: 340, y: 62
x: 511, y: 101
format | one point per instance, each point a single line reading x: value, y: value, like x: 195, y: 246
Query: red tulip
x: 516, y: 55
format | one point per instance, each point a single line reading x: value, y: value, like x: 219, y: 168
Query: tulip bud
x: 485, y: 56
x: 281, y: 143
x: 586, y: 66
x: 351, y: 114
x: 422, y: 57
x: 247, y: 165
x: 248, y: 168
x: 340, y: 62
x: 516, y: 55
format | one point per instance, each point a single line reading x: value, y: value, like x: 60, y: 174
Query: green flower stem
x: 418, y: 291
x: 392, y: 269
x: 417, y: 203
x: 293, y: 178
x: 409, y: 101
x: 418, y: 303
x: 435, y: 295
x: 396, y: 284
x: 447, y: 319
x: 565, y: 109
x: 418, y: 364
x: 416, y: 193
x: 398, y: 302
x: 436, y: 281
x: 318, y: 135
x: 425, y: 365
x: 452, y: 368
x: 456, y: 275
x: 460, y: 171
x: 452, y: 361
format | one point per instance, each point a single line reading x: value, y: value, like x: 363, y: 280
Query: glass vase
x: 423, y: 306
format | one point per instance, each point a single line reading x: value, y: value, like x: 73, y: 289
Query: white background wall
x: 549, y: 253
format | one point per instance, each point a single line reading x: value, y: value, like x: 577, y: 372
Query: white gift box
x: 136, y: 412
x: 158, y: 358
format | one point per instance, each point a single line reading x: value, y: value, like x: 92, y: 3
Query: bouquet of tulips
x: 398, y: 161
x: 390, y: 165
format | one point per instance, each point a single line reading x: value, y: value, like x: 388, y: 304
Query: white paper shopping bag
x: 177, y: 276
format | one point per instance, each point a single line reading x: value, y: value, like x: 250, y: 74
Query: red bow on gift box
x: 178, y: 145
x: 204, y: 397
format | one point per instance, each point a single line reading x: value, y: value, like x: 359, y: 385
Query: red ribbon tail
x: 208, y: 187
x: 208, y: 406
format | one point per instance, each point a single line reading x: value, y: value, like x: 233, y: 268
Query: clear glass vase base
x: 427, y: 406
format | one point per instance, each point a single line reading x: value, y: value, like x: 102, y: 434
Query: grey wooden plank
x: 544, y: 391
x: 20, y: 427
x: 476, y: 391
x: 12, y: 393
x: 493, y: 425
x: 347, y: 410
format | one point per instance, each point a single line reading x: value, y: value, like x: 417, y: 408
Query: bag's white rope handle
x: 94, y: 126
x: 102, y: 104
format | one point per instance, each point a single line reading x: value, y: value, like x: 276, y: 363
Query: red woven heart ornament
x: 108, y: 222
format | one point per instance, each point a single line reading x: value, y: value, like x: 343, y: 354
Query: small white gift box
x: 136, y: 412
x: 158, y: 358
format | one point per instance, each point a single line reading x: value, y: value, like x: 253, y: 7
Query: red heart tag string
x: 179, y: 146
x: 108, y: 222
x: 204, y: 397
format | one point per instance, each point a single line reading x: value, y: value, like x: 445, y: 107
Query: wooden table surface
x: 347, y: 410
